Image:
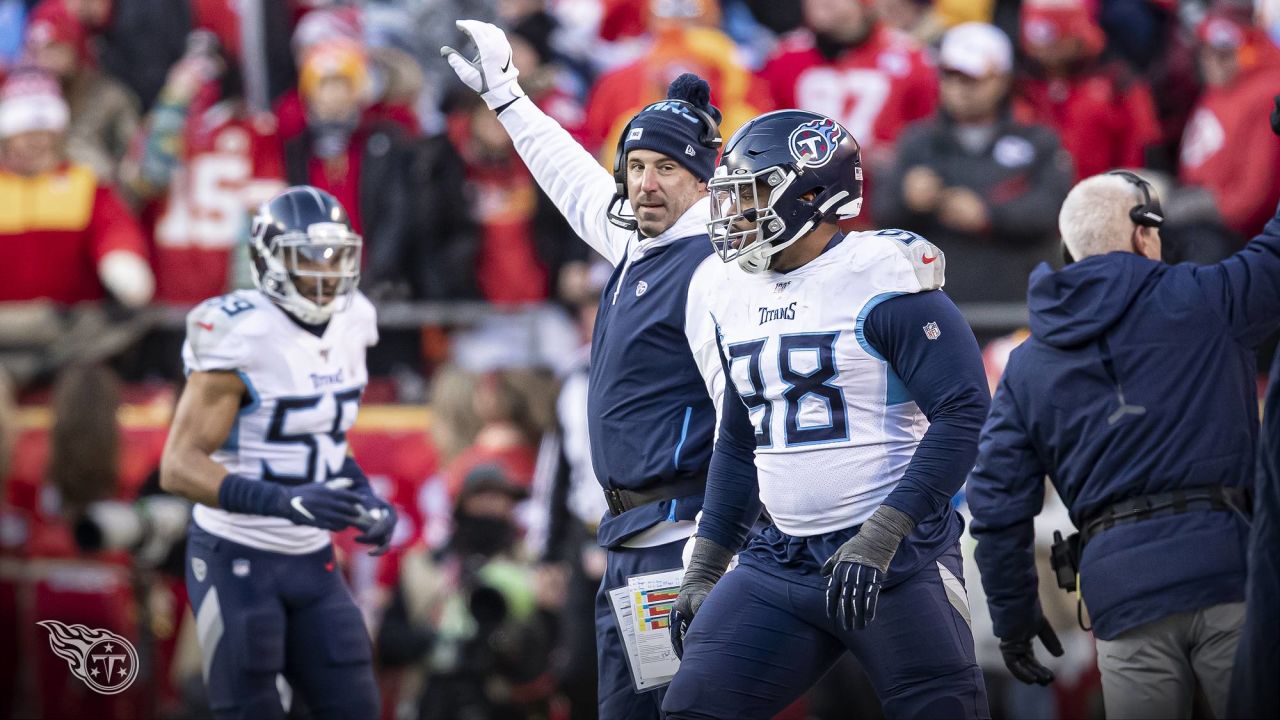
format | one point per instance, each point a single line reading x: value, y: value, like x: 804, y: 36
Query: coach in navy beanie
x: 671, y: 129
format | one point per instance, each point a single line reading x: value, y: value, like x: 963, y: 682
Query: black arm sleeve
x: 942, y: 372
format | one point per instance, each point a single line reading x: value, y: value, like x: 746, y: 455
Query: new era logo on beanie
x: 672, y: 128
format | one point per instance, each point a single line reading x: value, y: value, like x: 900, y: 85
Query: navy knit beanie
x: 671, y: 129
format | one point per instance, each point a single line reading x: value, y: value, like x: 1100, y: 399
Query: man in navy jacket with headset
x: 656, y: 380
x: 1136, y: 396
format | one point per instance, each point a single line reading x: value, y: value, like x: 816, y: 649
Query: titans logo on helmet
x: 813, y: 144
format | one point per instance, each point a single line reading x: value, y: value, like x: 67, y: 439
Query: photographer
x: 1136, y: 395
x: 468, y: 621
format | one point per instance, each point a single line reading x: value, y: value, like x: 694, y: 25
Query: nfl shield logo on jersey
x: 932, y: 331
x: 813, y: 144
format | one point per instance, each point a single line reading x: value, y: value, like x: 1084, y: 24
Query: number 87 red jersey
x: 874, y: 89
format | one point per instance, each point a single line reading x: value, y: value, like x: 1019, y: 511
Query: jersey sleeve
x: 700, y: 327
x: 929, y: 345
x: 216, y: 336
x: 366, y: 318
x: 906, y: 262
x: 580, y: 188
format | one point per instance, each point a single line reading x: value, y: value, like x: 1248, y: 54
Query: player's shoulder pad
x: 364, y: 317
x: 918, y: 264
x: 220, y: 330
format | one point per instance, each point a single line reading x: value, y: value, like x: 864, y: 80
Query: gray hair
x: 1094, y: 219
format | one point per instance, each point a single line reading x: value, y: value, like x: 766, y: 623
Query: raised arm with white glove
x: 491, y: 72
x: 580, y: 188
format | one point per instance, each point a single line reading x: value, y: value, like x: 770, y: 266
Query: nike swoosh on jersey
x: 297, y: 505
x: 205, y: 325
x: 926, y: 259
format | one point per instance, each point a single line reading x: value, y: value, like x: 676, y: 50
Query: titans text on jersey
x: 795, y: 351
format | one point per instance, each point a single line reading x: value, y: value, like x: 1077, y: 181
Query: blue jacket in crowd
x: 1138, y: 378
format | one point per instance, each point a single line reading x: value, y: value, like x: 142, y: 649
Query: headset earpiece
x: 1148, y: 213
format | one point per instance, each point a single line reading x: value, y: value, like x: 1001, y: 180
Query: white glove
x: 491, y: 73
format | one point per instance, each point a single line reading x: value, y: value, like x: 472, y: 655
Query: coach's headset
x: 1147, y: 213
x: 709, y: 137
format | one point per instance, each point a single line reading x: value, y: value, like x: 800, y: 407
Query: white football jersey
x: 303, y: 395
x: 835, y: 428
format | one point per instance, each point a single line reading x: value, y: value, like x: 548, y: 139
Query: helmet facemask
x: 744, y: 228
x: 310, y: 274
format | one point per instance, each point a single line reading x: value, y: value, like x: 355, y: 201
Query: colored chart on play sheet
x: 654, y: 607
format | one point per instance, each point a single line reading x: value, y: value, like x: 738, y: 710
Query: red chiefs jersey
x: 874, y: 90
x: 1228, y: 149
x: 231, y: 165
x: 55, y: 229
x: 1104, y: 122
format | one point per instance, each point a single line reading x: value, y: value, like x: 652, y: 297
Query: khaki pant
x: 1152, y: 670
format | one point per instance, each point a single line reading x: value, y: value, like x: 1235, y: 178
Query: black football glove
x: 706, y: 566
x: 377, y: 518
x: 857, y: 569
x: 1020, y: 657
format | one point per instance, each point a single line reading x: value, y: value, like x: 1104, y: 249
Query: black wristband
x: 252, y: 497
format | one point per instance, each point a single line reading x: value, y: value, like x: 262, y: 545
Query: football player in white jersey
x: 857, y: 389
x: 274, y: 378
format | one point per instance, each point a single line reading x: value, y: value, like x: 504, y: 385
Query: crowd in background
x: 137, y: 136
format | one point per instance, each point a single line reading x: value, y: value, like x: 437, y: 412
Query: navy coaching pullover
x: 1138, y: 378
x: 656, y: 379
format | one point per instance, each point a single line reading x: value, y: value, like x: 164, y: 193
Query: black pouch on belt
x: 1064, y: 558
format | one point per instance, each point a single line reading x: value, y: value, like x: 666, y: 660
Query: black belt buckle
x: 613, y: 497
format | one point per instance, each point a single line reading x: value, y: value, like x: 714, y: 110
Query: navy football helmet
x: 306, y: 257
x: 757, y: 204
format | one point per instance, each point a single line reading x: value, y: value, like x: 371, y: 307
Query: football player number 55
x: 807, y: 367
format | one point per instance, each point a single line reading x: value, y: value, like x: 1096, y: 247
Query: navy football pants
x: 760, y: 641
x: 617, y: 696
x: 262, y: 614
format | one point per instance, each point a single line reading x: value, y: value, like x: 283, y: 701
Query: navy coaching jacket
x: 1174, y: 346
x: 650, y: 418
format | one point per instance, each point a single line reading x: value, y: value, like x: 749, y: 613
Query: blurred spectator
x: 361, y: 160
x: 1102, y: 111
x: 472, y: 622
x: 69, y: 238
x: 104, y: 114
x: 974, y: 181
x: 523, y: 240
x: 848, y: 65
x: 917, y: 18
x: 568, y: 494
x: 686, y: 38
x: 205, y: 162
x: 514, y: 409
x: 136, y: 41
x: 8, y: 425
x: 397, y: 77
x: 532, y: 51
x: 1224, y: 148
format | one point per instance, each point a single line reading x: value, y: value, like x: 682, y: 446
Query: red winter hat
x: 31, y: 100
x: 52, y: 24
x: 1044, y: 21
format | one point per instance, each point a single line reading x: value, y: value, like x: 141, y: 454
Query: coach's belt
x: 621, y: 500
